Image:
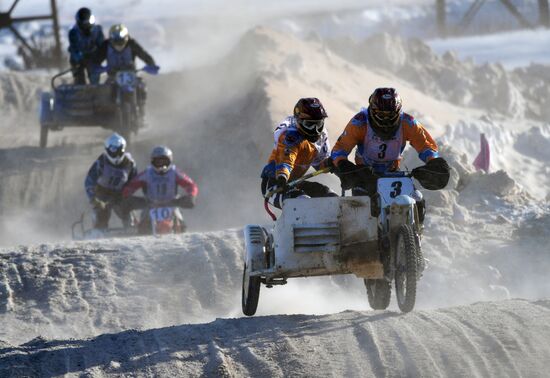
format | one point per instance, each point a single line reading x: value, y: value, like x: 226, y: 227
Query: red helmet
x: 310, y: 117
x: 385, y: 112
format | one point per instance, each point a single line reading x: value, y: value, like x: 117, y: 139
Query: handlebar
x: 52, y: 82
x: 296, y: 182
x: 395, y: 174
x: 102, y: 69
x: 289, y: 185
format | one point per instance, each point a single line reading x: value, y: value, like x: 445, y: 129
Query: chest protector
x: 381, y: 153
x: 119, y: 60
x: 87, y: 43
x: 113, y: 177
x: 161, y: 188
x: 323, y: 149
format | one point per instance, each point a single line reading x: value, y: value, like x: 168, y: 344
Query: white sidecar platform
x: 322, y: 236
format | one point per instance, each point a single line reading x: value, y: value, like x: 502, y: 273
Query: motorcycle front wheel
x: 406, y: 269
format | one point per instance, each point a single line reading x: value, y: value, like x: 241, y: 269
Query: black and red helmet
x: 385, y: 111
x: 310, y: 117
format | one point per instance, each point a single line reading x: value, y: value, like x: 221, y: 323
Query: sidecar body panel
x: 323, y: 236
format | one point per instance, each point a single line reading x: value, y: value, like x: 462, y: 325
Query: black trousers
x: 80, y: 71
x: 103, y: 214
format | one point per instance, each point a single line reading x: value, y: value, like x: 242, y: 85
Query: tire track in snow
x: 494, y: 342
x: 366, y: 339
x: 451, y: 330
x: 423, y: 348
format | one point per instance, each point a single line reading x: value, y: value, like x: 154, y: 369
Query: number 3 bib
x: 376, y: 150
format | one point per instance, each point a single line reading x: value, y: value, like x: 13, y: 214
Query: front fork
x: 390, y: 219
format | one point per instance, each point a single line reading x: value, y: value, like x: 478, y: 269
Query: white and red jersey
x: 161, y: 188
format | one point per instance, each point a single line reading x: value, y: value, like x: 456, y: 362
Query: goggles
x: 119, y: 43
x: 385, y: 118
x: 115, y: 152
x: 161, y: 162
x: 313, y: 126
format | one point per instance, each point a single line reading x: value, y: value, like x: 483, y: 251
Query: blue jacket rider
x: 85, y: 38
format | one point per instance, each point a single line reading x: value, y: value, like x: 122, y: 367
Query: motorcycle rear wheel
x: 378, y: 293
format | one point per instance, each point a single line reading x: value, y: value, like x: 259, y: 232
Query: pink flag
x: 483, y: 159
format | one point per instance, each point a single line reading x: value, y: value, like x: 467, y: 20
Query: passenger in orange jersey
x: 380, y: 134
x: 301, y: 141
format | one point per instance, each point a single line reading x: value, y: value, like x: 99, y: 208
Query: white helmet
x: 161, y: 159
x: 119, y: 36
x: 115, y: 146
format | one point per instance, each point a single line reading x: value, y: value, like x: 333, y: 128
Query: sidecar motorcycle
x: 116, y: 105
x: 377, y: 239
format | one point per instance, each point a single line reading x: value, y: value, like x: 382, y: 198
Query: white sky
x: 513, y: 49
x: 165, y: 8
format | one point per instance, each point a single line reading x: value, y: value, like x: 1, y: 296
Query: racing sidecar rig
x: 376, y: 239
x: 163, y: 220
x: 113, y: 105
x: 83, y: 229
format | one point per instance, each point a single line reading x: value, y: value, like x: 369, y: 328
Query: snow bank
x: 19, y: 98
x: 519, y: 93
x: 85, y: 289
x: 478, y: 238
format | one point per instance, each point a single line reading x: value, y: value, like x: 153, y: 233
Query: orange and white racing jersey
x: 383, y: 154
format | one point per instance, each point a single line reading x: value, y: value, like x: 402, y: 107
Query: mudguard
x: 254, y: 241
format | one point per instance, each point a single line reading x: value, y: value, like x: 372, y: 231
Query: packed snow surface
x: 500, y: 339
x: 123, y: 307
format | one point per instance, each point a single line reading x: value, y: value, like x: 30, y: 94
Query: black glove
x: 347, y: 172
x: 329, y: 163
x: 438, y: 165
x: 352, y: 175
x: 281, y: 183
x: 186, y: 202
x: 434, y: 175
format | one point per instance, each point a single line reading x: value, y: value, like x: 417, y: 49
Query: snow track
x: 124, y: 307
x: 483, y: 340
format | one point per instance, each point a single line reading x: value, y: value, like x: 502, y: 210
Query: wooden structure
x: 443, y: 28
x: 9, y: 22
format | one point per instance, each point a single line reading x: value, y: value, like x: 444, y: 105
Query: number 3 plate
x: 389, y: 188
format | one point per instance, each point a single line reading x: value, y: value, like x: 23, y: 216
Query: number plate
x: 160, y: 214
x: 126, y: 78
x: 391, y: 187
